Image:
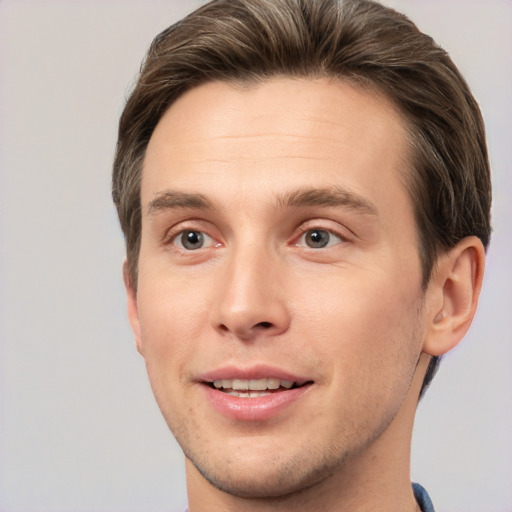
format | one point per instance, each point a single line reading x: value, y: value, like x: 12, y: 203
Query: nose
x: 251, y: 301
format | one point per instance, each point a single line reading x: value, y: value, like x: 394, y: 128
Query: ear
x: 453, y: 294
x: 131, y: 305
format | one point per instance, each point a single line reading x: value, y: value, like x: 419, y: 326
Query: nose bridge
x: 250, y: 299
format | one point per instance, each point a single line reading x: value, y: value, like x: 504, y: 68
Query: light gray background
x: 79, y: 429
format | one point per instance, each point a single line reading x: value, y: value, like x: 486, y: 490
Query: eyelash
x: 179, y: 237
x: 175, y: 237
x: 311, y: 231
x: 340, y: 232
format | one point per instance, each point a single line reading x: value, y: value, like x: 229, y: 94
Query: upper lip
x: 260, y: 371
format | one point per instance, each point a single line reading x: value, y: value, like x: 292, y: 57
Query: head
x: 362, y: 46
x: 361, y: 42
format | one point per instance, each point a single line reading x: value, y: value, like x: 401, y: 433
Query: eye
x: 319, y: 238
x: 192, y: 240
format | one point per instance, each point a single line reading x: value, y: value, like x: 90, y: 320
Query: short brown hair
x: 249, y: 41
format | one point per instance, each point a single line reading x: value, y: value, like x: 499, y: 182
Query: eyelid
x: 207, y: 239
x: 174, y: 232
x: 333, y: 240
x: 332, y: 227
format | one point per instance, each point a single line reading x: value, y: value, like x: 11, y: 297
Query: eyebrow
x: 172, y: 199
x: 303, y: 197
x: 332, y: 196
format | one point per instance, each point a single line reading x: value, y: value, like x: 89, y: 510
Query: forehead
x: 287, y: 132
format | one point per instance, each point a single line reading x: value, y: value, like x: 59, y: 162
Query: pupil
x: 192, y: 239
x: 317, y: 238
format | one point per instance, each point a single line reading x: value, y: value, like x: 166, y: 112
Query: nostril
x: 265, y: 325
x: 247, y: 330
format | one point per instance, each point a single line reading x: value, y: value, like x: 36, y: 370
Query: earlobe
x: 131, y: 305
x: 454, y: 290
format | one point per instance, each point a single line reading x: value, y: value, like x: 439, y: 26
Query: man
x: 304, y: 190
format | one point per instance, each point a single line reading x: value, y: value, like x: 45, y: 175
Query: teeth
x: 273, y: 383
x: 250, y: 394
x: 251, y: 385
x: 242, y: 385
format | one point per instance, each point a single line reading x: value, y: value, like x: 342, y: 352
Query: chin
x: 266, y: 478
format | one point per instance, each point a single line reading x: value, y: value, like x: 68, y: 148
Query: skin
x: 351, y: 316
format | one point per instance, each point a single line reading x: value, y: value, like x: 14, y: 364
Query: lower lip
x: 253, y: 409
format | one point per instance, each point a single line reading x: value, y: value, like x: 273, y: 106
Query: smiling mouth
x: 254, y: 388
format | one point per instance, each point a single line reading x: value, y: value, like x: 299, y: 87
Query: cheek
x: 364, y: 332
x: 172, y: 316
x: 170, y: 328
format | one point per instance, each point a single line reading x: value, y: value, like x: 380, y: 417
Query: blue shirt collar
x: 422, y: 498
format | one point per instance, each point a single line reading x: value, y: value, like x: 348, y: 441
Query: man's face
x: 278, y: 249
